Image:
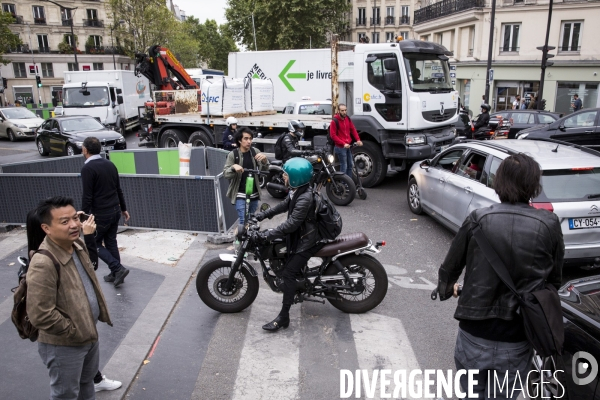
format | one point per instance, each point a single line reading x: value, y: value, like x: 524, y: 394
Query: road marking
x: 269, y: 364
x: 405, y: 282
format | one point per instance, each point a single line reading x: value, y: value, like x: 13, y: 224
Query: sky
x: 204, y: 9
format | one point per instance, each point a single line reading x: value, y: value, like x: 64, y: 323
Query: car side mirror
x: 120, y: 99
x: 425, y: 164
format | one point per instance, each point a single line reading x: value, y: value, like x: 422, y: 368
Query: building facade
x: 45, y: 30
x: 463, y: 26
x: 381, y: 20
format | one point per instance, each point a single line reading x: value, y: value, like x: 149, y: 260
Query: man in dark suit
x: 103, y: 197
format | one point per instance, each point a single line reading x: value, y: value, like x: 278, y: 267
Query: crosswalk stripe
x: 268, y: 367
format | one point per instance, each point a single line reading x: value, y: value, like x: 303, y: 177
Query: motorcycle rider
x: 290, y: 140
x: 483, y: 119
x: 300, y: 231
x: 228, y: 140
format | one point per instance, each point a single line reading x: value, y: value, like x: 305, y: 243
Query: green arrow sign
x: 292, y: 75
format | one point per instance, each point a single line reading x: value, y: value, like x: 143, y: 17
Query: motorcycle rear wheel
x: 345, y: 192
x: 213, y: 275
x: 374, y: 279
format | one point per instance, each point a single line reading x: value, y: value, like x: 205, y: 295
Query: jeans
x: 71, y: 369
x: 346, y: 160
x: 107, y: 224
x: 494, y: 360
x: 240, y: 206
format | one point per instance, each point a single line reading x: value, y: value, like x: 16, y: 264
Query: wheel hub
x: 219, y: 287
x: 364, y: 164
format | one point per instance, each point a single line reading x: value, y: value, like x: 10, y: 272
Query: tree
x: 215, y: 42
x: 8, y: 40
x: 287, y: 24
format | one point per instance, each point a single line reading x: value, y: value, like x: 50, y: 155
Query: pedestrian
x: 103, y: 197
x: 65, y: 306
x: 517, y: 103
x: 289, y: 143
x: 523, y: 104
x: 35, y: 237
x: 299, y: 230
x: 17, y: 103
x: 343, y: 133
x: 228, y: 142
x: 247, y: 157
x: 576, y: 104
x: 533, y: 104
x: 529, y: 241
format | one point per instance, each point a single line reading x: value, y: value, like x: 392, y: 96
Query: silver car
x: 18, y: 123
x: 461, y: 178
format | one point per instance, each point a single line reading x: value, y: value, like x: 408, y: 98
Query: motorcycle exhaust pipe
x: 275, y: 186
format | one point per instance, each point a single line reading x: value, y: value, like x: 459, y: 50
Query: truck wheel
x: 370, y: 164
x: 122, y: 129
x: 171, y: 138
x: 200, y: 139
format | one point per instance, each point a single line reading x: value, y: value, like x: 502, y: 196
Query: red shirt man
x: 342, y: 132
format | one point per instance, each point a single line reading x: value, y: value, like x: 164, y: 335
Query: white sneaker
x: 107, y: 384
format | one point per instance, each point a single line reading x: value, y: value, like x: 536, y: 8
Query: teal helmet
x: 299, y: 171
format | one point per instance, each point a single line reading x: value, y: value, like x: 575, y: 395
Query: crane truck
x: 404, y: 107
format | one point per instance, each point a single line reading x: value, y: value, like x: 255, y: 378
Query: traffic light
x: 543, y: 104
x: 38, y: 80
x: 546, y: 56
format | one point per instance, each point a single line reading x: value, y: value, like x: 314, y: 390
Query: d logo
x: 584, y: 363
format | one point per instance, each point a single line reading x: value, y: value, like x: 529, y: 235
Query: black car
x: 582, y: 128
x: 65, y: 135
x: 580, y: 301
x: 523, y: 119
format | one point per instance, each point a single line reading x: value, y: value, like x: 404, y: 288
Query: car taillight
x: 543, y: 206
x: 582, y: 169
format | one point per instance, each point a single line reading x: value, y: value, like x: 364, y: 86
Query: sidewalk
x: 161, y: 264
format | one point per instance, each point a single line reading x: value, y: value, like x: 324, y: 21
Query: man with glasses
x: 343, y: 133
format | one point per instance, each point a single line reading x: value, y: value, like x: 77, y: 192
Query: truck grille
x: 435, y: 116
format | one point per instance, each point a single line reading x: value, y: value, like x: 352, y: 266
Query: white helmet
x: 231, y: 121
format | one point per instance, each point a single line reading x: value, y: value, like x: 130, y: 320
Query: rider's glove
x: 260, y: 216
x: 260, y: 237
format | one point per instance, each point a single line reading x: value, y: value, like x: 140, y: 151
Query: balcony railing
x: 44, y: 49
x: 95, y: 50
x: 390, y: 20
x: 569, y: 48
x: 376, y: 21
x: 470, y: 53
x: 513, y: 49
x: 18, y: 19
x: 114, y: 50
x: 93, y: 22
x: 405, y: 20
x: 361, y: 21
x: 21, y: 48
x: 67, y: 22
x: 444, y: 8
x: 40, y: 21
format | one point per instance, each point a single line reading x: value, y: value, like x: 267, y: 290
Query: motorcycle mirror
x: 23, y: 261
x: 425, y: 165
x: 264, y: 207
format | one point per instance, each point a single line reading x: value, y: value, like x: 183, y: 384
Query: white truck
x: 400, y: 96
x: 112, y: 96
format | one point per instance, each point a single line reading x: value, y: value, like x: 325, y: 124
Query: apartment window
x: 98, y: 66
x: 95, y: 40
x: 404, y: 34
x: 362, y: 16
x: 405, y: 11
x: 66, y: 16
x: 389, y: 11
x: 47, y: 71
x: 19, y: 69
x: 43, y: 43
x: 39, y: 17
x: 440, y: 38
x: 389, y: 37
x: 361, y: 37
x: 92, y: 14
x: 405, y: 18
x: 571, y: 36
x: 376, y: 20
x: 389, y: 17
x: 375, y: 37
x: 510, y: 37
x: 471, y: 41
x: 71, y: 67
x: 9, y: 8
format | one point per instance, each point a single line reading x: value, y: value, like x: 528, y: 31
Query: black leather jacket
x: 483, y: 120
x: 301, y: 226
x: 290, y: 144
x: 528, y: 241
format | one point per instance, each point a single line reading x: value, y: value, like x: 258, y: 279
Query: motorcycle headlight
x: 121, y: 139
x: 330, y: 158
x: 415, y: 139
x: 523, y: 136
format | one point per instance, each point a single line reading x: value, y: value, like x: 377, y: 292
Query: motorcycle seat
x: 343, y: 243
x: 277, y: 162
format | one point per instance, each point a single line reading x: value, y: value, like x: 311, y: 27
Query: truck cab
x: 97, y: 99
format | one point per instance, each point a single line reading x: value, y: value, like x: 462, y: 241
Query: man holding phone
x: 103, y: 197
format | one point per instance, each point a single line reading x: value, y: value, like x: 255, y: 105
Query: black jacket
x: 483, y: 120
x: 528, y: 241
x: 101, y: 187
x: 228, y: 141
x: 301, y: 226
x: 290, y: 147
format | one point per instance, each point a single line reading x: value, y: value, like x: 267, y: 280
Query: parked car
x: 523, y: 119
x: 461, y: 179
x: 18, y: 123
x: 309, y: 107
x: 64, y: 135
x: 582, y: 128
x: 580, y: 301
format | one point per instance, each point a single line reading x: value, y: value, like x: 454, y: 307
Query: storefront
x: 587, y: 91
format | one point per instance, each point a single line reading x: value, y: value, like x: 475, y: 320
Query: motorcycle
x: 494, y: 130
x: 349, y: 277
x: 340, y: 188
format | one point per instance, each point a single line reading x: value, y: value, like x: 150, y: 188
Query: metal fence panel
x: 198, y: 162
x: 59, y: 165
x: 216, y: 160
x: 229, y: 210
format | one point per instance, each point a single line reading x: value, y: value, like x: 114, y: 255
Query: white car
x: 461, y: 179
x: 309, y: 107
x: 18, y: 123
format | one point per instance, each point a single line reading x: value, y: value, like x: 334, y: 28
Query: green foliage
x: 64, y: 47
x: 215, y: 42
x: 8, y: 40
x: 287, y: 24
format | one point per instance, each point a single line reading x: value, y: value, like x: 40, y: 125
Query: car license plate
x: 108, y: 148
x: 584, y: 223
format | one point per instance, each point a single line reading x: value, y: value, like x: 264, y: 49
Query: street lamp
x: 112, y: 43
x: 73, y: 44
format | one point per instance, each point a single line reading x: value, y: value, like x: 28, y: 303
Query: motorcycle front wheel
x: 209, y: 284
x: 371, y: 288
x: 343, y: 192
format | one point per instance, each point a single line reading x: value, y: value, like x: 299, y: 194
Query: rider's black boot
x: 277, y: 323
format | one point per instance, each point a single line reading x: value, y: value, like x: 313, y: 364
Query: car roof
x: 73, y: 117
x: 524, y: 111
x: 566, y: 155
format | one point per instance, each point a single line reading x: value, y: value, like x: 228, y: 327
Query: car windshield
x: 81, y: 124
x: 564, y: 185
x: 91, y: 97
x: 427, y: 73
x: 18, y: 113
x: 320, y: 109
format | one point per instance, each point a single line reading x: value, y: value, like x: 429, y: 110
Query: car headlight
x: 79, y: 144
x: 455, y: 132
x: 522, y: 135
x: 416, y: 139
x: 121, y: 139
x: 330, y: 158
x: 21, y: 126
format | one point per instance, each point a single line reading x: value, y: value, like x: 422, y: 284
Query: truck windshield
x: 91, y: 97
x: 427, y: 73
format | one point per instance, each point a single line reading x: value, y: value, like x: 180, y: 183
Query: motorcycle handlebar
x: 256, y: 171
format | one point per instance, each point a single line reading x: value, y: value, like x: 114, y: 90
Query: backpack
x: 329, y: 221
x: 236, y: 155
x: 330, y: 142
x: 279, y: 150
x: 19, y: 313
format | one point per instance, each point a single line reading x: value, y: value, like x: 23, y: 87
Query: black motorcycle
x: 349, y: 277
